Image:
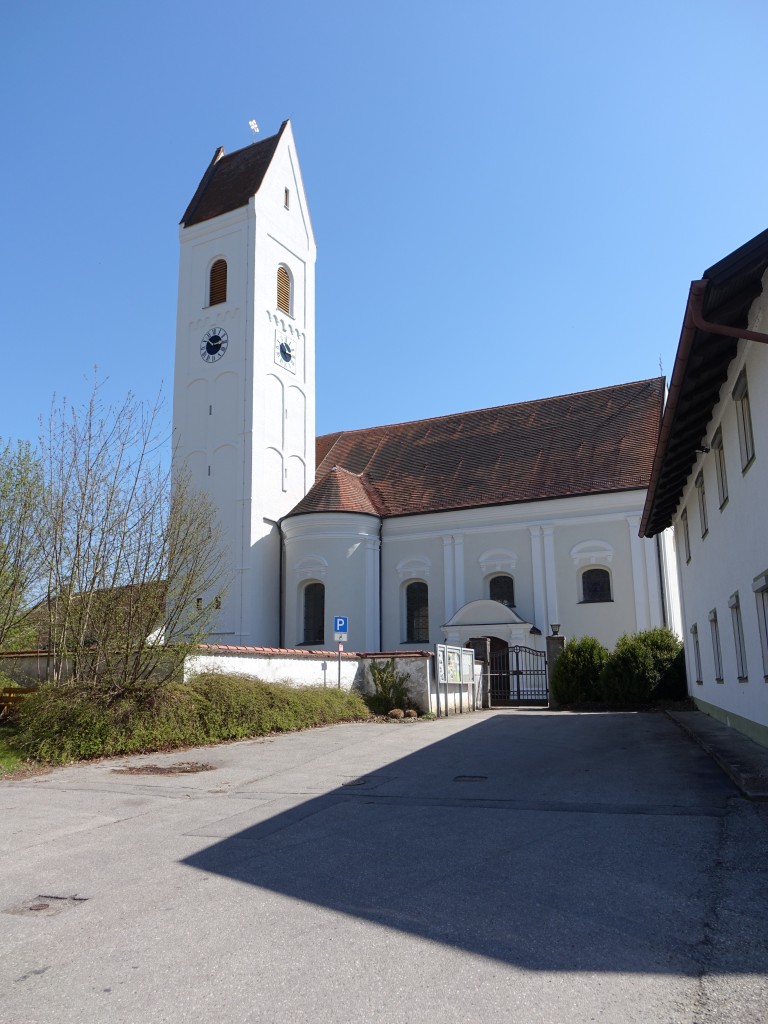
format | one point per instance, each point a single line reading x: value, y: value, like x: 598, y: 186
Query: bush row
x: 65, y: 723
x: 642, y: 668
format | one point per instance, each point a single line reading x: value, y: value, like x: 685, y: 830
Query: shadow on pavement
x: 552, y: 842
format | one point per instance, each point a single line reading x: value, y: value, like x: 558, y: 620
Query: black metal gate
x: 518, y: 676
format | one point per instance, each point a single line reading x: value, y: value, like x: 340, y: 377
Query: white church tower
x: 244, y: 382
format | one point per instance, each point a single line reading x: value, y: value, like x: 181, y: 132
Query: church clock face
x: 214, y: 345
x: 285, y: 351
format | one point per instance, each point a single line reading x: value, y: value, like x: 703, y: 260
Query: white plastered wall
x: 735, y: 549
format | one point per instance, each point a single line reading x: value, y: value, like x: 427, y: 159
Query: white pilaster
x: 448, y: 577
x: 639, y: 575
x: 458, y: 569
x: 539, y: 578
x: 550, y: 577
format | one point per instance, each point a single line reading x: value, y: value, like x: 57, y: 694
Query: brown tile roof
x: 231, y: 180
x: 585, y: 443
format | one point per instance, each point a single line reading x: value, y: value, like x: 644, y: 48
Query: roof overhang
x: 716, y: 315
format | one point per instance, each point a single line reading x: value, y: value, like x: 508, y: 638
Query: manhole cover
x: 355, y: 782
x: 471, y: 778
x: 44, y: 905
x: 180, y: 768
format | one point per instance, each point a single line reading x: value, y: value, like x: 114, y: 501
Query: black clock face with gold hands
x: 214, y: 345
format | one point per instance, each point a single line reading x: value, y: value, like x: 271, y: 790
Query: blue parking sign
x: 340, y: 624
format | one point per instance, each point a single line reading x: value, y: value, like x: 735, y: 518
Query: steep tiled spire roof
x: 231, y: 180
x: 590, y: 442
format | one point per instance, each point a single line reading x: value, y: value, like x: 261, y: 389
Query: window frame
x: 585, y: 572
x: 282, y: 268
x: 697, y: 655
x: 701, y: 493
x: 219, y: 298
x: 740, y: 396
x: 734, y: 604
x: 720, y: 469
x: 502, y: 576
x: 760, y: 588
x: 416, y: 618
x: 310, y: 616
x: 717, y: 649
x: 686, y: 535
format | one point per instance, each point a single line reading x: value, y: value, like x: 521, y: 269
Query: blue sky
x: 510, y: 199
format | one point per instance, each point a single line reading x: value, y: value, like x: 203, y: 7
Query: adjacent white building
x: 710, y: 481
x: 493, y: 523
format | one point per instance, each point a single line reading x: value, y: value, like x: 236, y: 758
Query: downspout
x: 381, y: 582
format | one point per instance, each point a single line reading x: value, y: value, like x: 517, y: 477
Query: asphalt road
x: 504, y: 866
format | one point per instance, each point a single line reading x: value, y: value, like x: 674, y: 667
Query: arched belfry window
x: 502, y: 589
x: 284, y: 290
x: 217, y: 291
x: 417, y: 613
x: 314, y: 613
x: 595, y: 586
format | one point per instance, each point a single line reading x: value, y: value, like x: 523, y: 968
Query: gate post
x: 482, y: 649
x: 555, y: 645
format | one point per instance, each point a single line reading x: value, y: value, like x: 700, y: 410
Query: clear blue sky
x: 510, y: 199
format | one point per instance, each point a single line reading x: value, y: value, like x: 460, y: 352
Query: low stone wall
x: 321, y: 668
x: 295, y: 667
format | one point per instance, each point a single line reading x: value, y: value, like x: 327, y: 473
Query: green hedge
x: 64, y: 723
x: 644, y: 667
x: 576, y: 675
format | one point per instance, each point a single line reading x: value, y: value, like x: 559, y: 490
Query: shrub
x: 576, y: 674
x: 390, y: 688
x: 67, y: 723
x: 643, y: 667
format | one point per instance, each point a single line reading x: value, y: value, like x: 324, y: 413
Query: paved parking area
x: 504, y: 866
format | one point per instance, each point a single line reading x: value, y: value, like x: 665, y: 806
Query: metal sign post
x: 340, y: 631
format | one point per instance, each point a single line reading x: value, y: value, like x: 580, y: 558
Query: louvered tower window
x: 218, y: 283
x: 283, y: 290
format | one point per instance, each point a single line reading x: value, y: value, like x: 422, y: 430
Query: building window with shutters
x: 738, y: 637
x: 744, y: 420
x: 760, y: 587
x: 722, y: 478
x: 595, y: 586
x: 417, y: 613
x: 217, y: 283
x: 702, y: 494
x: 696, y: 654
x: 502, y: 589
x: 284, y: 290
x: 686, y: 534
x: 314, y: 613
x: 716, y: 650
